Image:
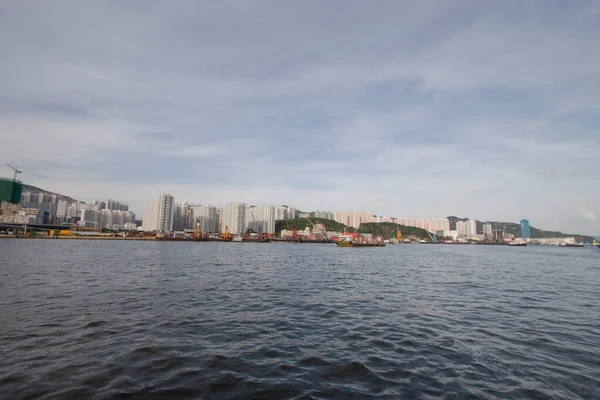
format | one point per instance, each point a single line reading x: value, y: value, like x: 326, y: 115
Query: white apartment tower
x: 487, y: 229
x: 206, y: 216
x: 471, y: 228
x: 233, y: 217
x: 261, y: 218
x: 281, y: 213
x: 158, y: 215
x: 461, y: 228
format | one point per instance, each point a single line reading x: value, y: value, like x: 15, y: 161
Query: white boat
x: 237, y: 238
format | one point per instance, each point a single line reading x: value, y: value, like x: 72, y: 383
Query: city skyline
x: 416, y: 108
x: 115, y: 214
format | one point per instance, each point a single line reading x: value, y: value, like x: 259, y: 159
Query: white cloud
x: 587, y: 213
x: 412, y: 109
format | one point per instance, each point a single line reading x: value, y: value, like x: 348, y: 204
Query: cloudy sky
x: 481, y: 109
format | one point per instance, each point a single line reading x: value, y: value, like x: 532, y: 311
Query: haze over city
x: 481, y: 109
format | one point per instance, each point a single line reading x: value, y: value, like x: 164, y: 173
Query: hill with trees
x: 390, y: 229
x: 387, y: 229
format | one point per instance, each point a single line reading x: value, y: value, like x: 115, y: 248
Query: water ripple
x: 209, y: 320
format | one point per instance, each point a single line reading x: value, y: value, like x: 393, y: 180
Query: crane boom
x: 16, y: 169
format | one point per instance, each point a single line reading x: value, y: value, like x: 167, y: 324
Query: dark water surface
x: 84, y: 319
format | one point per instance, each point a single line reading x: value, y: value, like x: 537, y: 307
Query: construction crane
x: 16, y: 169
x: 259, y: 230
x: 294, y: 232
x: 190, y: 217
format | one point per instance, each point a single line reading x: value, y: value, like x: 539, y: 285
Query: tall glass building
x: 525, y: 230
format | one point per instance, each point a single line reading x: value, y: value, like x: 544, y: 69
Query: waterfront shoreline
x: 144, y: 238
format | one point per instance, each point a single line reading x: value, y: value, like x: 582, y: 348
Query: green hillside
x: 389, y: 229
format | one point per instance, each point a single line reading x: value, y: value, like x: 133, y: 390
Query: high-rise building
x: 487, y: 229
x: 461, y: 229
x: 261, y: 219
x: 61, y: 209
x: 128, y: 217
x: 115, y: 205
x: 206, y: 216
x: 233, y: 217
x: 105, y: 219
x: 291, y: 213
x: 322, y: 214
x: 98, y: 205
x: 158, y: 215
x: 181, y: 217
x: 285, y: 212
x: 73, y: 211
x: 354, y: 219
x: 471, y: 228
x: 525, y: 229
x: 280, y: 213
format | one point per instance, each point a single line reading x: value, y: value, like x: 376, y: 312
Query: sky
x: 475, y: 108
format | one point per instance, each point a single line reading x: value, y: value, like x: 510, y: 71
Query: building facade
x: 322, y: 214
x: 183, y: 217
x: 471, y: 228
x: 285, y: 212
x: 525, y: 229
x: 158, y: 215
x: 261, y: 219
x: 206, y: 216
x: 461, y: 229
x: 233, y: 218
x: 115, y: 205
